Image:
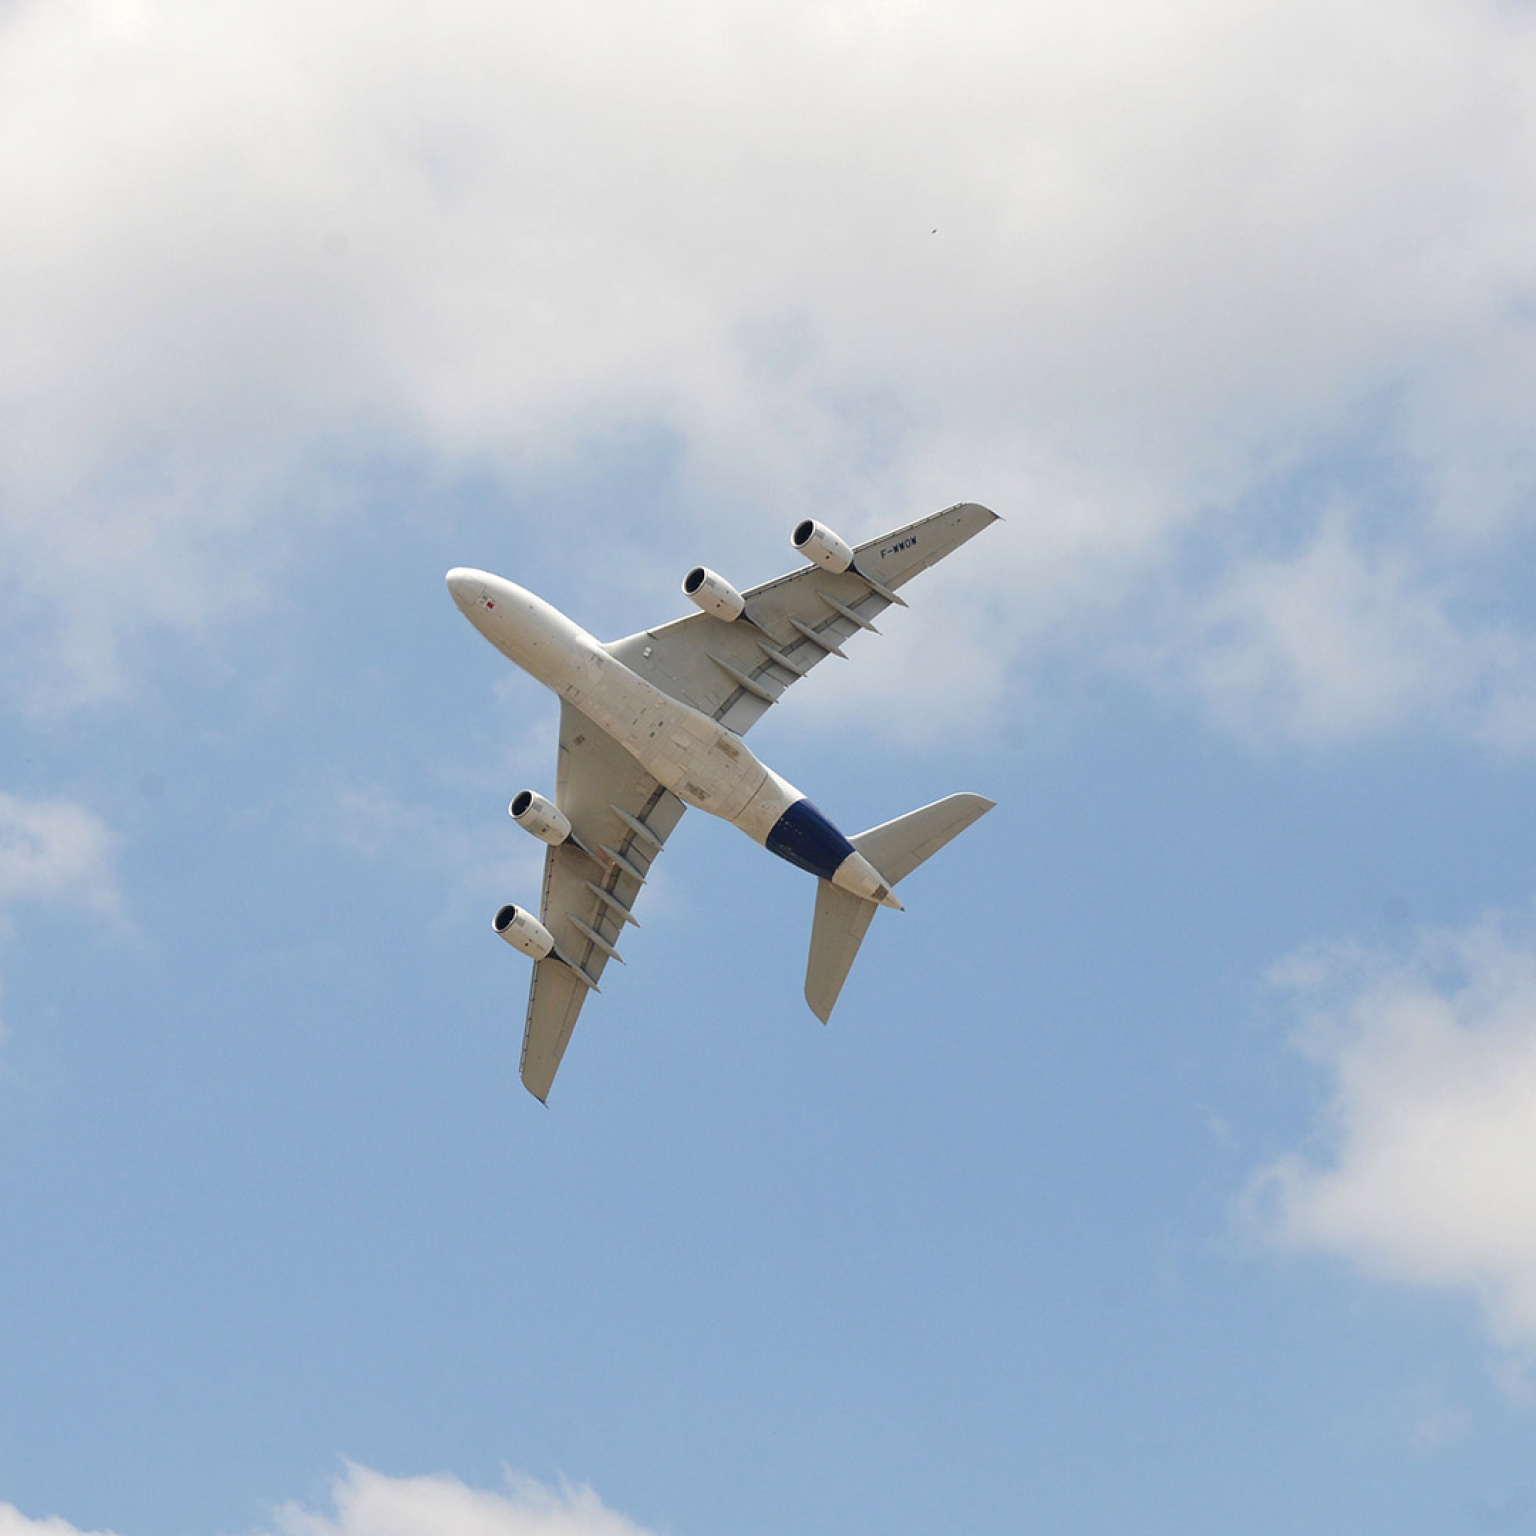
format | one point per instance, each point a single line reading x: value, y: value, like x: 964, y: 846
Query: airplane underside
x: 653, y: 723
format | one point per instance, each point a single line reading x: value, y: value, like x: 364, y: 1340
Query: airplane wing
x: 619, y: 812
x: 734, y: 671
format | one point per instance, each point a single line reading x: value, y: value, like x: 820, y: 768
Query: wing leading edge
x: 736, y: 671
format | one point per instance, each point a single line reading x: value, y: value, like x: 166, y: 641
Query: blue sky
x: 1167, y: 1165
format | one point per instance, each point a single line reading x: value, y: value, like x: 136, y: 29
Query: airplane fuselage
x: 702, y: 762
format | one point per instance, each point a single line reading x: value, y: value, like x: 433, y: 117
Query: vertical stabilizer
x: 895, y: 848
x: 839, y: 927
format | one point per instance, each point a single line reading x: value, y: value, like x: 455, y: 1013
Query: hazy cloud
x: 1424, y: 1167
x: 1341, y: 639
x: 372, y: 822
x: 54, y: 850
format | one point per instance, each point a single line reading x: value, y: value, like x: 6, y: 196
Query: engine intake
x: 524, y: 932
x: 714, y: 594
x: 533, y: 813
x: 820, y: 545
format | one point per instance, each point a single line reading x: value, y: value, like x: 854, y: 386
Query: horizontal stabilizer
x: 895, y: 848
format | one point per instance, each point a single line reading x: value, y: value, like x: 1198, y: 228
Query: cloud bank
x: 1424, y: 1168
x: 1149, y: 281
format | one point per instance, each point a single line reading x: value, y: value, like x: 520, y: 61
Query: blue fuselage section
x: 805, y: 837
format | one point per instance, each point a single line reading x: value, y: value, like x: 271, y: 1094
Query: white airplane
x: 652, y: 724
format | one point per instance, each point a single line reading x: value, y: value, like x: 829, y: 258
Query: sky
x: 1169, y: 1165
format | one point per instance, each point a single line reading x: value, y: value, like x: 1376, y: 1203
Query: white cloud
x: 367, y: 1503
x: 1424, y: 1168
x: 1106, y: 267
x: 370, y: 1504
x: 54, y: 852
x: 1343, y: 639
x: 14, y: 1523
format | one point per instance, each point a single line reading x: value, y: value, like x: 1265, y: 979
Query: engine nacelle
x: 524, y: 932
x: 819, y: 544
x: 714, y: 594
x: 533, y: 813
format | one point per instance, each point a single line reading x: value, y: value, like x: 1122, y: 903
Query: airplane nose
x: 488, y: 602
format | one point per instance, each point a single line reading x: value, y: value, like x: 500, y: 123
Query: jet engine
x: 524, y: 932
x: 533, y: 813
x: 714, y: 594
x: 819, y: 544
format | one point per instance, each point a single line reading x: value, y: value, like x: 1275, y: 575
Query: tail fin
x: 895, y: 848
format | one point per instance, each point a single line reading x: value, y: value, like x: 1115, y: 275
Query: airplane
x: 652, y: 724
